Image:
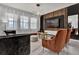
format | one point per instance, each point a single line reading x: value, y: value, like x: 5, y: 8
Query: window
x: 24, y: 22
x: 11, y: 24
x: 73, y: 21
x: 33, y: 23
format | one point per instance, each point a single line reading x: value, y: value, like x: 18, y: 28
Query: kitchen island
x: 18, y: 44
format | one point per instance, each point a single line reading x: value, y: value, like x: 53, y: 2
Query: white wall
x: 18, y: 30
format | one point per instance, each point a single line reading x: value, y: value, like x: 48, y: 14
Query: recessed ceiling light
x: 37, y: 5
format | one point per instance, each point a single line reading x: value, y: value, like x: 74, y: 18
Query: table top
x: 51, y: 32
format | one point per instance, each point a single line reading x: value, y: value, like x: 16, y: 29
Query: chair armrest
x: 53, y: 38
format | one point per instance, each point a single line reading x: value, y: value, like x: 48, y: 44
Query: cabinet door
x: 8, y: 46
x: 24, y: 45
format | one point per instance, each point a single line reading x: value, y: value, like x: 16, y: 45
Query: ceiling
x: 43, y: 9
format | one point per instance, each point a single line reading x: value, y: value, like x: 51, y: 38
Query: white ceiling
x: 43, y: 9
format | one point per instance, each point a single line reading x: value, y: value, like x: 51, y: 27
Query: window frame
x: 22, y: 23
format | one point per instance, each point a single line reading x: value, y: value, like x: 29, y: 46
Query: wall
x: 18, y: 12
x: 68, y: 11
x: 73, y: 10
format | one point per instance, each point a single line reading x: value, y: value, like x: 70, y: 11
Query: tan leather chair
x: 57, y: 43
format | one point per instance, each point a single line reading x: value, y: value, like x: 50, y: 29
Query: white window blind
x: 33, y: 23
x: 24, y: 22
x: 11, y: 21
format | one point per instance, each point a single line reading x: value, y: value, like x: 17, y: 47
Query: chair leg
x: 67, y: 48
x: 43, y: 49
x: 57, y: 53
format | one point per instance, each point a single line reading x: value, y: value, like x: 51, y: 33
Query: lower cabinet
x: 17, y: 45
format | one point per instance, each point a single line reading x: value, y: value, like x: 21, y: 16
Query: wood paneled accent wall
x: 56, y: 14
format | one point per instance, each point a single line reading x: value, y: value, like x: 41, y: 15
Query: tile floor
x: 37, y: 49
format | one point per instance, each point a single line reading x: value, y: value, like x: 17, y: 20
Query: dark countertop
x: 12, y: 36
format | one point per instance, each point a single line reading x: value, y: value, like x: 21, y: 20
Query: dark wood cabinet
x: 15, y: 44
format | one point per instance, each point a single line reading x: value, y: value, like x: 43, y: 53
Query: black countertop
x: 12, y: 36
